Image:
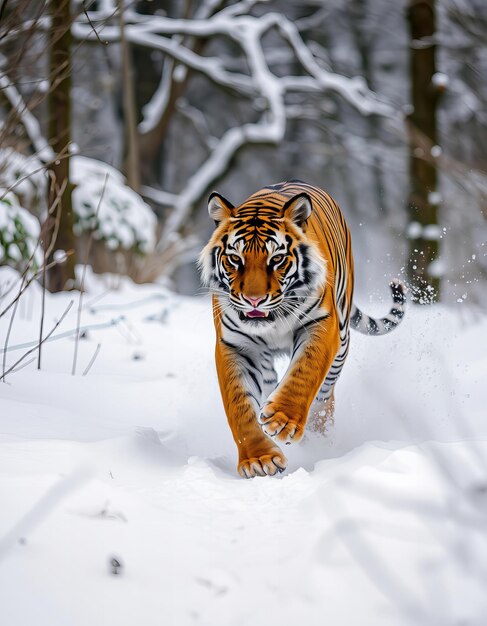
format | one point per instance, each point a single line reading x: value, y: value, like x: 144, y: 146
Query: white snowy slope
x: 381, y: 522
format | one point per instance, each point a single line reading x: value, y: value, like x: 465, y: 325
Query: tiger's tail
x: 370, y: 326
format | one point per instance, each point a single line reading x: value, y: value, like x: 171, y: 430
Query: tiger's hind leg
x: 322, y: 410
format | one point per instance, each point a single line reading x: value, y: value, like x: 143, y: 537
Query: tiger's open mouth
x: 256, y: 315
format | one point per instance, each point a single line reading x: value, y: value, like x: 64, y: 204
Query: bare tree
x: 129, y: 112
x: 59, y: 135
x: 424, y: 197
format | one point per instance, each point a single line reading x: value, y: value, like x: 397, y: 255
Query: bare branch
x: 39, y: 343
x: 92, y: 360
x: 32, y: 278
x: 83, y: 276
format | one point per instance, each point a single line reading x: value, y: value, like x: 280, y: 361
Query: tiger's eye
x: 234, y: 258
x: 277, y: 259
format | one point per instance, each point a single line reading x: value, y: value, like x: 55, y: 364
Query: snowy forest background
x: 183, y: 97
x: 120, y: 500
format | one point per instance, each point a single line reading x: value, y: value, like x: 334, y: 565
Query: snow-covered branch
x: 157, y: 106
x: 154, y: 33
x: 354, y: 89
x: 211, y: 67
x: 266, y: 91
x: 261, y: 85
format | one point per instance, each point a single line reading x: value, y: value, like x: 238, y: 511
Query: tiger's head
x: 259, y: 259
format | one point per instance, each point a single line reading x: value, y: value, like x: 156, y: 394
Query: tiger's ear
x: 219, y: 207
x: 298, y: 209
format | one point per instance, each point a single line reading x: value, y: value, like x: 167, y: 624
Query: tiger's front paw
x: 276, y: 423
x: 263, y: 465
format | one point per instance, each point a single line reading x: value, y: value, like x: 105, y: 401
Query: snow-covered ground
x: 383, y: 521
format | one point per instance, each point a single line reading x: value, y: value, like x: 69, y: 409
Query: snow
x: 437, y: 268
x: 382, y: 521
x: 436, y: 151
x: 440, y: 80
x: 434, y: 198
x: 59, y: 256
x: 414, y: 230
x: 432, y: 232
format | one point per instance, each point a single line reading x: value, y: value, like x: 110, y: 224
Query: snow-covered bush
x: 19, y: 233
x: 26, y: 177
x: 103, y: 203
x: 123, y: 225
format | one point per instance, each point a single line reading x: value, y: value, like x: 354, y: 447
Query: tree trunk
x: 129, y: 109
x: 151, y: 143
x: 61, y: 276
x: 423, y: 200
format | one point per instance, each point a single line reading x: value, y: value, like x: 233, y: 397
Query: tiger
x: 280, y: 270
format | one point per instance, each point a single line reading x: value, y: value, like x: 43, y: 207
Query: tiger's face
x: 259, y: 261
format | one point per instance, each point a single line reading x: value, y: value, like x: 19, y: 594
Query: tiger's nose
x: 254, y: 301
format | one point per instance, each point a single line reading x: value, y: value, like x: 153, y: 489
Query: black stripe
x: 254, y: 378
x: 229, y: 345
x: 249, y: 394
x: 372, y: 327
x: 356, y: 318
x: 238, y: 332
x: 398, y: 294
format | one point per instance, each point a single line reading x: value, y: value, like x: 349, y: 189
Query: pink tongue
x: 255, y: 313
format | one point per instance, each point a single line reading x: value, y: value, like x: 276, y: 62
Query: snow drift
x: 382, y: 521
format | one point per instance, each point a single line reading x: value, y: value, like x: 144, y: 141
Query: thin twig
x: 97, y: 298
x: 102, y: 44
x: 23, y: 286
x: 47, y: 251
x: 7, y: 336
x: 38, y: 273
x: 57, y: 204
x: 92, y: 360
x: 68, y: 333
x: 36, y: 347
x: 82, y: 285
x: 21, y: 367
x: 43, y: 309
x: 45, y: 228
